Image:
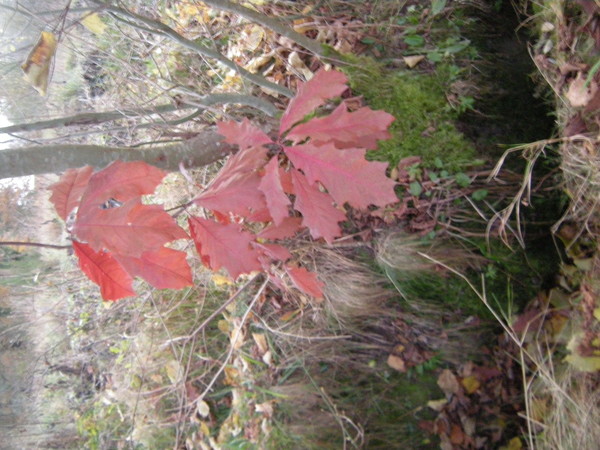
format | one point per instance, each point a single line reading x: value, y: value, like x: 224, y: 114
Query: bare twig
x: 35, y: 244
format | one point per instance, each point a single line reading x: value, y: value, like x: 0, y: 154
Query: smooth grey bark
x: 100, y: 117
x: 200, y: 151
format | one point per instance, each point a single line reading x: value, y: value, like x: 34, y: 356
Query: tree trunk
x: 200, y: 151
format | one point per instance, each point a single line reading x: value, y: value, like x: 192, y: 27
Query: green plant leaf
x: 437, y: 6
x: 414, y: 40
x: 479, y: 194
x: 415, y: 188
x: 462, y: 179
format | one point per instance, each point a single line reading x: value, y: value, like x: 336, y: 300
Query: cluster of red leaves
x: 299, y: 180
x: 314, y: 168
x: 115, y: 236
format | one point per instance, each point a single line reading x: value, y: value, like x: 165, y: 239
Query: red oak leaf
x: 346, y: 175
x: 102, y: 268
x: 164, y: 269
x: 67, y: 193
x: 318, y: 213
x: 288, y: 228
x: 358, y: 129
x: 243, y: 162
x: 235, y: 188
x: 243, y: 134
x: 239, y: 195
x: 262, y: 215
x: 121, y: 181
x: 224, y: 245
x: 306, y: 281
x: 286, y: 181
x: 312, y: 94
x: 271, y: 186
x: 130, y: 229
x: 274, y: 251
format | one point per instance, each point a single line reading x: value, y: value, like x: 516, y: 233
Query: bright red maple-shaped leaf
x: 271, y: 186
x: 323, y: 86
x: 164, y: 268
x: 346, y: 174
x: 130, y: 229
x: 358, y: 129
x: 102, y: 268
x: 306, y: 281
x: 243, y: 134
x: 66, y: 194
x: 318, y: 213
x: 224, y: 245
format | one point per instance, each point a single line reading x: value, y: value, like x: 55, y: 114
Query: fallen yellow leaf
x: 412, y: 61
x: 37, y: 65
x: 471, y: 384
x: 94, y: 23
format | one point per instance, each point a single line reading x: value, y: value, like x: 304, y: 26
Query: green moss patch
x: 424, y: 124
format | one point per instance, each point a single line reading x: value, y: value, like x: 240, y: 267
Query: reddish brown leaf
x: 224, y: 245
x: 312, y: 94
x: 243, y: 134
x: 358, y: 129
x: 239, y: 194
x: 318, y: 212
x: 235, y: 188
x: 288, y: 228
x: 102, y: 268
x: 164, y: 268
x: 120, y: 181
x: 347, y: 175
x: 274, y: 251
x: 130, y: 229
x: 262, y: 215
x: 270, y: 185
x: 306, y: 281
x: 244, y: 161
x: 67, y: 193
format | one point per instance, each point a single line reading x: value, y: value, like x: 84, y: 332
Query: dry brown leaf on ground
x: 579, y: 92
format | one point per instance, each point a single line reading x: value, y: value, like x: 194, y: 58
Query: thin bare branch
x: 164, y: 30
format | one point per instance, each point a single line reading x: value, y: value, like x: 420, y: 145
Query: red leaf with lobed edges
x: 243, y: 134
x: 130, y: 229
x: 346, y: 175
x: 164, y: 268
x: 66, y: 194
x: 306, y: 281
x: 286, y: 229
x: 235, y: 188
x: 312, y: 94
x: 104, y: 270
x: 271, y: 186
x: 224, y: 245
x: 121, y: 181
x: 358, y: 129
x: 318, y: 213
